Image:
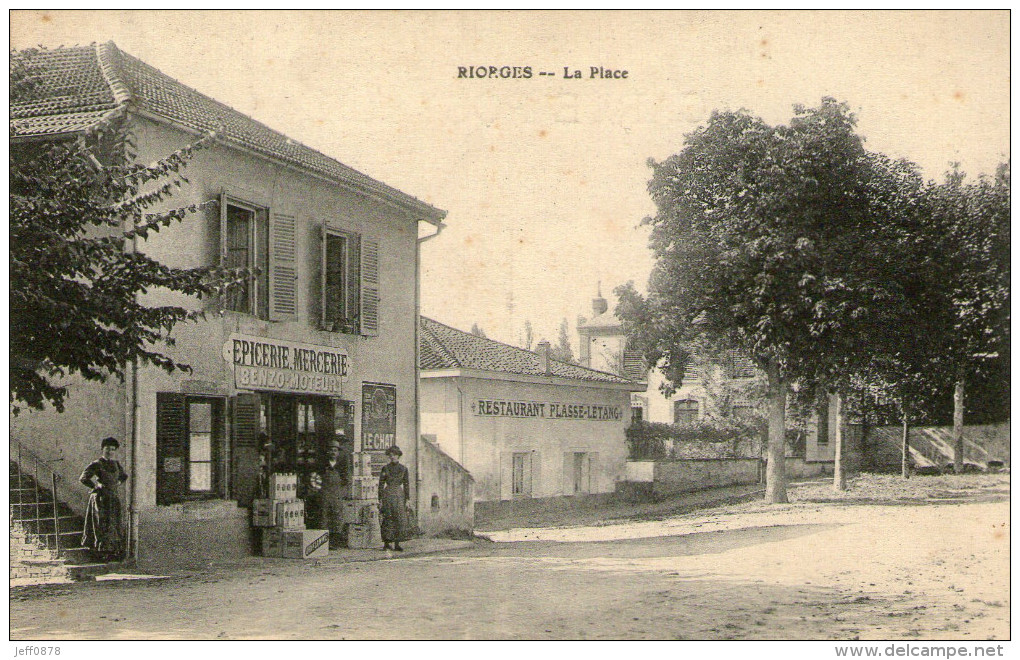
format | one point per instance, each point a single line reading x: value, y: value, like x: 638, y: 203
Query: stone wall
x: 682, y: 476
x: 445, y: 493
x: 31, y: 563
x: 933, y: 445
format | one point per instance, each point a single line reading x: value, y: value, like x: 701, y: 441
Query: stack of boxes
x: 282, y: 521
x: 361, y: 511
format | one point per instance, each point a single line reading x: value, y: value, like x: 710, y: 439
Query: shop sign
x: 273, y: 364
x: 378, y: 417
x: 546, y: 410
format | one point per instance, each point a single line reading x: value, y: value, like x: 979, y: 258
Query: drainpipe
x: 417, y: 367
x: 132, y: 490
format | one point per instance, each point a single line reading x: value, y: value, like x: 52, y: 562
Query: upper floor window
x: 685, y: 411
x: 350, y: 283
x: 245, y: 244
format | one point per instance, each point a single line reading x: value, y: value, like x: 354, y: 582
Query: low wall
x: 682, y: 476
x: 445, y: 493
x: 798, y: 468
x: 193, y: 534
x: 981, y: 443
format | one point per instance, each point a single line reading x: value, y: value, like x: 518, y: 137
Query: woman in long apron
x: 394, y: 494
x: 103, y: 534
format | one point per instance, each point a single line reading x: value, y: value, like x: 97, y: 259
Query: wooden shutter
x: 283, y: 268
x: 245, y: 447
x: 223, y: 229
x: 354, y: 278
x: 568, y: 473
x: 171, y: 448
x: 593, y: 472
x: 506, y: 475
x: 532, y: 474
x: 369, y: 287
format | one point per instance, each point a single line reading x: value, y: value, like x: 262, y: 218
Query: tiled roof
x: 78, y: 85
x: 443, y: 347
x: 605, y: 320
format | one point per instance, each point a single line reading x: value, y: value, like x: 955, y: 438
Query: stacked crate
x: 282, y: 522
x: 361, y: 510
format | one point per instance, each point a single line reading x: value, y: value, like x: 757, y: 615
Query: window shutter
x: 323, y: 293
x: 245, y: 447
x: 369, y: 287
x: 283, y: 268
x: 531, y: 470
x: 354, y: 277
x: 568, y: 473
x: 171, y: 448
x: 223, y: 229
x: 593, y: 472
x: 506, y: 475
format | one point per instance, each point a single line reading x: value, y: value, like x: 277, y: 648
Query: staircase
x: 45, y: 533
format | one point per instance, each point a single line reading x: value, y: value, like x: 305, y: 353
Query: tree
x: 79, y: 209
x: 764, y: 239
x: 476, y: 331
x: 562, y: 351
x: 973, y: 223
x: 529, y: 335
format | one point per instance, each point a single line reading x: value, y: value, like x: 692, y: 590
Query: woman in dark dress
x: 102, y: 516
x: 394, y: 494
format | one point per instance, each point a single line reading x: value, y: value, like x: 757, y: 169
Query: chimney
x: 543, y: 357
x: 599, y: 304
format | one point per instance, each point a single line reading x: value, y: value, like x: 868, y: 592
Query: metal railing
x: 43, y: 511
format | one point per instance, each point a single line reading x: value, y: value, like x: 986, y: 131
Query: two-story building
x: 320, y: 343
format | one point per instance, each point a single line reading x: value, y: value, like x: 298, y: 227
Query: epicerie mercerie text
x: 506, y: 72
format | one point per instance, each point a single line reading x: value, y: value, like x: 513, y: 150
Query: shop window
x: 189, y: 438
x: 245, y: 245
x: 350, y: 283
x: 685, y: 411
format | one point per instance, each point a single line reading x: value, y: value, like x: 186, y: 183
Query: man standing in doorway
x: 336, y: 477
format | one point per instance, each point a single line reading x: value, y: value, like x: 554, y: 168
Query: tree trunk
x: 775, y: 471
x: 958, y: 427
x: 838, y: 473
x: 905, y: 466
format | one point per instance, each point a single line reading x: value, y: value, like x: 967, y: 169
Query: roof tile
x: 77, y: 85
x: 443, y: 347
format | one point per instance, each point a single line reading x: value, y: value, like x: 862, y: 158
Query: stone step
x: 86, y: 572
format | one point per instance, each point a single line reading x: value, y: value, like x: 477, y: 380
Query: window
x: 245, y: 245
x: 350, y: 283
x: 637, y: 414
x: 189, y: 439
x: 822, y: 414
x: 685, y: 411
x: 742, y: 411
x: 200, y: 446
x: 340, y: 297
x: 521, y: 481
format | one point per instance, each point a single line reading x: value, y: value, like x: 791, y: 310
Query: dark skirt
x: 393, y: 519
x: 102, y: 525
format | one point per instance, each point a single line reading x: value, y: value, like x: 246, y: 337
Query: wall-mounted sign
x: 546, y: 410
x: 273, y: 364
x: 378, y: 417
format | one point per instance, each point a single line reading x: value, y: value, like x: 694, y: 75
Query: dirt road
x: 814, y: 569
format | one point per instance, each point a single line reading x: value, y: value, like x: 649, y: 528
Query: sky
x: 544, y: 178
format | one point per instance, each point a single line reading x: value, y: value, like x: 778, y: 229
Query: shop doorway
x: 293, y: 431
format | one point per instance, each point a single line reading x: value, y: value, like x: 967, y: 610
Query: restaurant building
x: 524, y: 425
x: 319, y: 344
